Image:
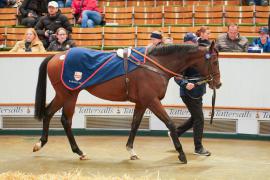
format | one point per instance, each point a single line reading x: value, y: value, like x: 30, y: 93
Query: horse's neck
x: 172, y: 62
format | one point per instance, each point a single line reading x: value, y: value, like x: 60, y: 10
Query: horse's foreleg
x: 137, y: 117
x: 51, y: 109
x: 66, y: 120
x: 156, y: 107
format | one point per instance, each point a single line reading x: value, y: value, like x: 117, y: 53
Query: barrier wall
x: 242, y: 102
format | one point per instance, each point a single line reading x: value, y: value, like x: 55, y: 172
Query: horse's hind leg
x: 156, y: 107
x: 137, y: 117
x: 51, y: 109
x: 66, y: 119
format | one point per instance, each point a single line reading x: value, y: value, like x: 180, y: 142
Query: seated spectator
x: 232, y: 41
x: 263, y: 42
x: 47, y: 25
x: 31, y: 43
x: 61, y: 43
x: 31, y: 11
x: 87, y: 13
x: 257, y: 2
x: 156, y: 39
x: 203, y: 36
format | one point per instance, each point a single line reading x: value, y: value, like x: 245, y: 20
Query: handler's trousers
x: 196, y: 120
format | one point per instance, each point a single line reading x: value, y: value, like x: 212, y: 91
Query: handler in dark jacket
x: 47, y: 25
x: 191, y: 94
x: 61, y: 43
x: 31, y: 11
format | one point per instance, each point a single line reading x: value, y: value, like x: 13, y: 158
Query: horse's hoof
x: 83, y: 157
x: 135, y: 157
x: 182, y: 158
x: 37, y: 147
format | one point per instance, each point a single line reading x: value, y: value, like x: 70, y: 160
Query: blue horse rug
x: 85, y: 67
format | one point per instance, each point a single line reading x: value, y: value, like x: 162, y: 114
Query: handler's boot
x: 202, y: 152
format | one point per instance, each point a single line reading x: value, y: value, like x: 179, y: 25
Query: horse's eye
x: 215, y: 63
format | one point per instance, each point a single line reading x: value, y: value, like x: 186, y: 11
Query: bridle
x: 208, y: 57
x: 202, y: 80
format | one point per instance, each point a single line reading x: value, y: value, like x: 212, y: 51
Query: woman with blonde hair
x: 30, y: 43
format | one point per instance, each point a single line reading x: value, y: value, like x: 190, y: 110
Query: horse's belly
x: 113, y: 90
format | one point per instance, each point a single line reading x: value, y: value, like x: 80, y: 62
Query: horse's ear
x: 210, y: 50
x: 212, y: 46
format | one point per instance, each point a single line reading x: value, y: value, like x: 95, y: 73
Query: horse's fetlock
x: 43, y: 141
x: 129, y: 147
x: 77, y: 150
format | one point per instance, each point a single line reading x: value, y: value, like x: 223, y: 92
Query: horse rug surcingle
x: 86, y: 67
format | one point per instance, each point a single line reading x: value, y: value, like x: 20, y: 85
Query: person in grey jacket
x: 62, y: 42
x: 232, y: 41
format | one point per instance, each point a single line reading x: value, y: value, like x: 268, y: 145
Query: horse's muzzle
x: 218, y: 85
x: 213, y: 85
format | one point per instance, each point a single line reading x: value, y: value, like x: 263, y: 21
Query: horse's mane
x: 166, y: 49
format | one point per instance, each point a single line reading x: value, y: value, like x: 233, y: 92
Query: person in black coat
x: 31, y: 11
x: 62, y: 42
x: 47, y: 25
x: 192, y: 94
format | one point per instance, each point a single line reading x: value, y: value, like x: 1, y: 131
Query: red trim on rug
x: 92, y: 75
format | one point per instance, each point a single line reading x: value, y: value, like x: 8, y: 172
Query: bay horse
x: 147, y: 87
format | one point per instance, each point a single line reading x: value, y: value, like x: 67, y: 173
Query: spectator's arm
x: 74, y: 8
x: 66, y: 24
x: 40, y: 27
x: 41, y: 47
x: 15, y: 48
x: 50, y: 48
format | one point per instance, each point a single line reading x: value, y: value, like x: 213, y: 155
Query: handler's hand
x: 190, y: 86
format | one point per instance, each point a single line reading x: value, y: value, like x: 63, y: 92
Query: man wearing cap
x: 156, y: 39
x: 191, y: 95
x: 263, y: 41
x: 232, y: 41
x: 190, y: 38
x: 47, y: 25
x: 31, y: 11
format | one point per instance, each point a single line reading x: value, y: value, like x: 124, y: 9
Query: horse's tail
x: 40, y: 101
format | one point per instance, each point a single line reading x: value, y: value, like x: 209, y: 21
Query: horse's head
x: 209, y: 67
